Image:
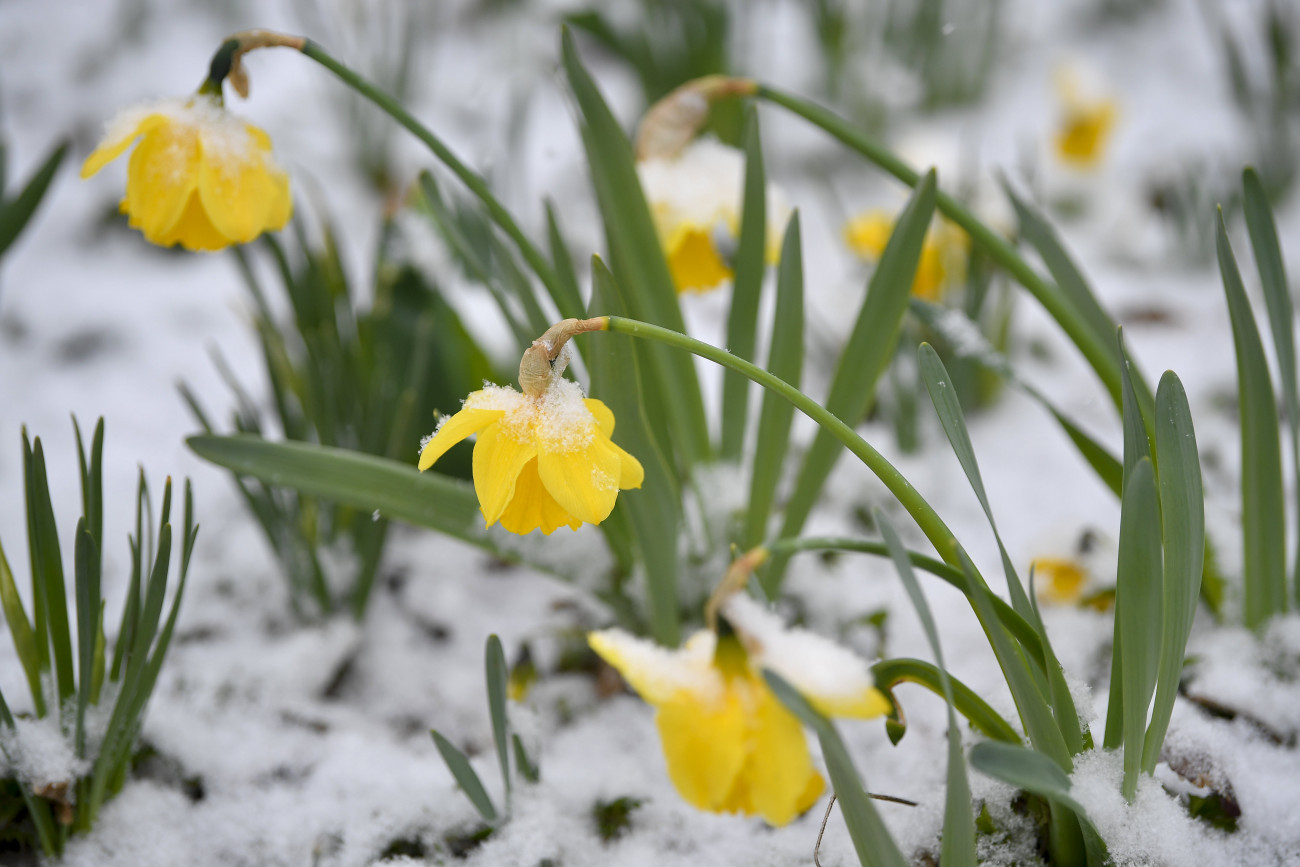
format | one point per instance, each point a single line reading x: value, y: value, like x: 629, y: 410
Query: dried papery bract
x: 673, y: 121
x: 227, y: 63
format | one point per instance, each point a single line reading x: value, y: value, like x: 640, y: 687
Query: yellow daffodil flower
x: 1059, y: 581
x: 943, y: 251
x: 542, y: 460
x: 199, y: 177
x: 1085, y: 127
x: 730, y: 745
x: 695, y: 199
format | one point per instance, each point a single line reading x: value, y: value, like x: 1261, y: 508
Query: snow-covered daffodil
x: 1085, y: 124
x: 540, y: 461
x: 695, y: 198
x: 730, y: 745
x: 943, y: 251
x: 544, y: 457
x: 199, y: 177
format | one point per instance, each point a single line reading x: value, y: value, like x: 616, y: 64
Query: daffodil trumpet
x: 729, y: 743
x: 543, y: 458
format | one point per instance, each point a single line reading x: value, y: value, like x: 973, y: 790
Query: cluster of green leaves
x: 98, y: 699
x: 368, y: 380
x: 17, y: 209
x: 507, y: 743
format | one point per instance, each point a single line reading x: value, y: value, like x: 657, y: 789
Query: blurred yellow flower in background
x: 730, y: 745
x: 540, y: 461
x: 695, y: 200
x: 1059, y: 581
x: 943, y: 252
x: 1085, y: 127
x: 199, y: 177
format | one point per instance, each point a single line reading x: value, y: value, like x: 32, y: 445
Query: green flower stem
x: 1099, y: 354
x: 925, y: 516
x: 472, y: 179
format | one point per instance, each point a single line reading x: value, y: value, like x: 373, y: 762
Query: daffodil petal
x: 603, y: 415
x: 705, y: 746
x: 631, y: 473
x: 694, y: 261
x: 162, y: 174
x: 499, y: 457
x: 194, y: 231
x: 583, y: 481
x: 465, y: 423
x: 237, y: 189
x: 281, y: 203
x: 657, y: 673
x: 111, y: 148
x: 532, y: 507
x: 780, y: 775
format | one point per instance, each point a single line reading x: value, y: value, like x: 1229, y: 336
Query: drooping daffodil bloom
x: 544, y: 457
x: 695, y: 198
x: 944, y: 251
x: 730, y: 745
x: 1085, y: 126
x: 199, y: 177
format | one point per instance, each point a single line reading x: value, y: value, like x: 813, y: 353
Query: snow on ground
x: 279, y: 743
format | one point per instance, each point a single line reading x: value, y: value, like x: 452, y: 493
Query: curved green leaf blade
x: 395, y: 489
x: 16, y: 212
x: 465, y: 777
x: 1182, y: 511
x: 1281, y: 315
x: 1262, y: 510
x: 495, y: 665
x: 958, y: 839
x: 1139, y: 617
x: 871, y: 838
x: 747, y: 287
x: 888, y: 673
x: 786, y: 362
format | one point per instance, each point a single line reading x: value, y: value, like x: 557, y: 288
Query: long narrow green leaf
x: 1037, y: 774
x: 944, y: 397
x: 968, y: 343
x: 47, y: 568
x: 495, y: 664
x: 1281, y: 317
x: 785, y: 360
x: 637, y: 256
x: 1138, y: 611
x: 397, y: 490
x: 1182, y: 512
x: 654, y: 511
x: 888, y: 673
x: 566, y: 295
x: 20, y: 630
x: 1035, y: 714
x: 871, y: 838
x: 742, y: 319
x: 958, y: 839
x: 87, y: 578
x: 865, y: 358
x: 1263, y: 514
x: 527, y: 768
x: 465, y: 777
x: 16, y: 212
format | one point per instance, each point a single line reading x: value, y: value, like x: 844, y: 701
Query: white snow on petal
x: 658, y: 671
x: 812, y: 664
